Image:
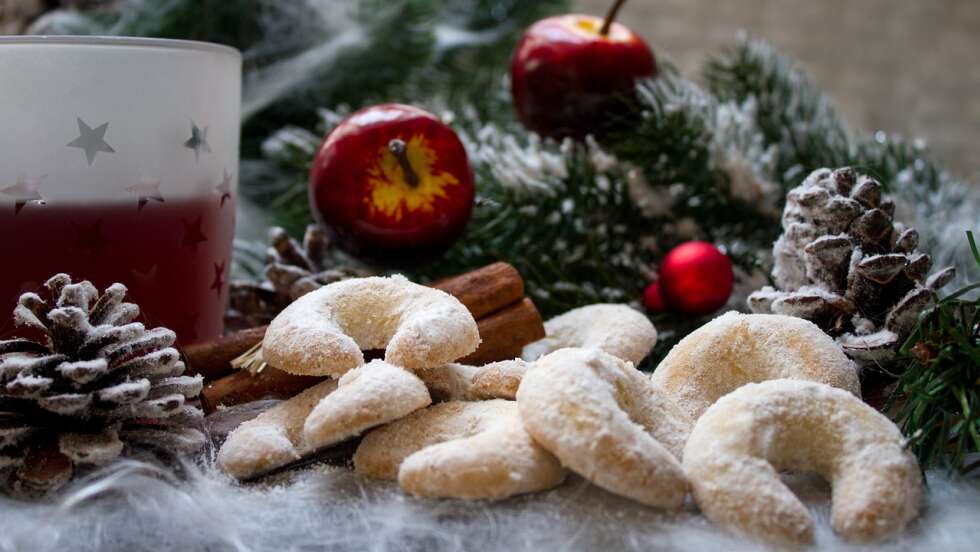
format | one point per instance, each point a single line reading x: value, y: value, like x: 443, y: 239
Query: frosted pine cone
x: 291, y: 271
x: 844, y: 264
x: 93, y: 383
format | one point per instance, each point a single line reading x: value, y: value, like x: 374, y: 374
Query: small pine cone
x: 88, y: 384
x: 843, y: 263
x: 292, y: 270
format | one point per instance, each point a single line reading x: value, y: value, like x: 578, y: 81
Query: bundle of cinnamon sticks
x: 494, y: 294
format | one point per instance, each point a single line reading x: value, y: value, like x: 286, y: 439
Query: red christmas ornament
x: 392, y: 182
x: 696, y: 278
x: 653, y: 300
x: 570, y: 72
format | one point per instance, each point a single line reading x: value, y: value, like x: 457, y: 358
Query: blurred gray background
x: 904, y: 66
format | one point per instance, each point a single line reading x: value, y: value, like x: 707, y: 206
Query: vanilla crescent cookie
x: 324, y: 332
x: 616, y: 329
x: 272, y: 439
x: 604, y: 420
x: 497, y: 380
x: 735, y: 349
x: 366, y: 397
x: 739, y: 446
x: 472, y: 450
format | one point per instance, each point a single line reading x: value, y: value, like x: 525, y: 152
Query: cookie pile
x: 731, y: 405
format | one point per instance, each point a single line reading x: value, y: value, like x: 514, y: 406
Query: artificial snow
x: 137, y: 507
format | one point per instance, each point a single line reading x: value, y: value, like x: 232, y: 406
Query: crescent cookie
x: 604, y: 420
x: 474, y: 450
x: 272, y: 439
x: 735, y: 349
x: 324, y: 332
x: 616, y: 329
x: 739, y: 446
x: 366, y: 397
x: 497, y: 380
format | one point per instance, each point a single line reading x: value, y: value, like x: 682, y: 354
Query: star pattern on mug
x: 219, y: 278
x: 198, y: 141
x: 91, y: 140
x: 193, y: 236
x: 224, y: 188
x: 145, y: 278
x: 24, y: 192
x: 148, y: 189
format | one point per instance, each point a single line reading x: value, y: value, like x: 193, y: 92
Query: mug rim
x: 101, y: 40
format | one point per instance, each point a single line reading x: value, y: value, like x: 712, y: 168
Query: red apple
x: 568, y: 77
x: 393, y: 183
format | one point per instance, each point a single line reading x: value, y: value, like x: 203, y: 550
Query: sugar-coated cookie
x: 738, y: 447
x: 735, y: 349
x: 474, y: 450
x: 604, y: 420
x: 323, y: 332
x: 366, y: 397
x: 497, y: 380
x: 616, y: 329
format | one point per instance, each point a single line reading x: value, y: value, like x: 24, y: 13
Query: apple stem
x: 610, y: 17
x: 397, y: 148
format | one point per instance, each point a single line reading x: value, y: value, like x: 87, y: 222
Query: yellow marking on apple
x: 590, y: 27
x: 391, y: 193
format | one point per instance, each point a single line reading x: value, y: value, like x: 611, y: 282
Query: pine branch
x: 797, y: 117
x: 937, y: 398
x: 237, y: 23
x: 560, y: 216
x: 582, y: 225
x: 798, y: 120
x: 687, y: 147
x: 792, y: 112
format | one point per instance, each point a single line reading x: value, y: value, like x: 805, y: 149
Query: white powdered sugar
x: 497, y: 380
x: 616, y: 329
x: 323, y: 332
x: 366, y: 397
x: 604, y: 420
x: 735, y: 349
x: 274, y: 438
x: 460, y: 449
x: 737, y: 447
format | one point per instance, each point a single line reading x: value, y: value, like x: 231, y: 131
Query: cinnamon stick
x: 243, y: 386
x: 506, y: 332
x: 482, y: 291
x: 212, y: 359
x: 485, y: 290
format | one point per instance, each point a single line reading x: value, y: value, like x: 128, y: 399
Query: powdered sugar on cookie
x: 740, y: 444
x: 604, y: 420
x: 460, y: 449
x: 324, y: 332
x: 616, y: 329
x: 497, y: 380
x: 735, y: 349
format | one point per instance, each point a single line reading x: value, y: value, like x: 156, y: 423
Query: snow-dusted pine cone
x: 88, y: 385
x: 843, y: 263
x: 292, y: 270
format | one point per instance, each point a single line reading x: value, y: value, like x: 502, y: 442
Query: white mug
x: 119, y: 163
